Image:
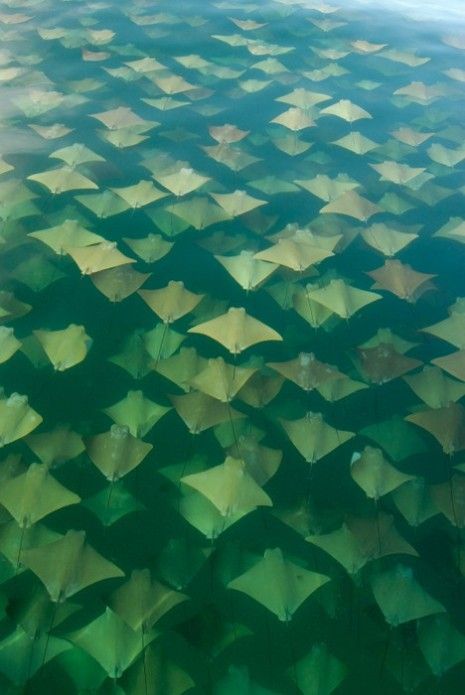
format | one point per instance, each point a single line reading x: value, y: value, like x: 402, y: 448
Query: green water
x: 327, y: 553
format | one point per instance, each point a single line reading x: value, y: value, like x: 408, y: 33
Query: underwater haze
x: 232, y: 347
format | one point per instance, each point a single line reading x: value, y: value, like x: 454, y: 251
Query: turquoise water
x: 196, y: 499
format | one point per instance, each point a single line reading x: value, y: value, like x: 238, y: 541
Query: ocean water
x: 232, y: 347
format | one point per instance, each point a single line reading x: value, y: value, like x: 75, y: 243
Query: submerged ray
x: 313, y: 437
x: 387, y: 240
x: 199, y: 411
x: 352, y: 205
x: 104, y: 204
x: 150, y: 248
x: 341, y: 298
x: 306, y: 371
x: 295, y: 119
x: 137, y: 413
x: 8, y: 344
x: 69, y: 233
x: 318, y: 672
x: 140, y: 194
x: 17, y: 418
x: 434, y: 388
x: 278, y: 584
x: 222, y: 380
x: 76, y: 154
x: 326, y: 188
x: 237, y: 203
x: 346, y: 110
x: 118, y: 283
x: 62, y: 180
x: 293, y: 254
x: 445, y: 424
x: 401, y: 280
x: 200, y: 213
x: 117, y: 452
x: 57, y: 446
x: 246, y: 269
x: 374, y: 474
x: 383, y: 363
x: 172, y: 302
x: 64, y: 348
x: 96, y: 257
x: 182, y: 367
x: 236, y: 330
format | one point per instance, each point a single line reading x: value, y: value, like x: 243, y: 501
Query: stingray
x: 442, y: 645
x: 227, y: 133
x: 51, y: 132
x: 313, y: 312
x: 134, y: 358
x: 150, y: 248
x: 453, y: 364
x: 383, y: 363
x: 221, y: 380
x: 411, y: 137
x: 110, y: 642
x: 397, y: 173
x: 199, y: 411
x: 182, y: 182
x: 261, y: 461
x: 35, y: 494
x: 158, y: 672
x: 234, y: 158
x: 401, y: 598
x: 162, y: 342
x: 137, y: 413
x: 237, y: 203
x: 239, y: 680
x: 141, y: 602
x: 8, y: 344
x: 449, y: 498
x: 260, y: 389
x: 434, y: 388
x: 17, y: 418
x: 294, y: 255
x: 306, y: 371
x: 326, y: 188
x: 37, y: 273
x: 453, y: 229
x: 353, y: 205
x: 65, y: 348
x: 21, y: 657
x: 96, y: 257
x: 451, y: 329
x: 68, y: 233
x: 303, y: 98
x: 140, y: 194
x: 63, y: 179
x: 118, y: 283
x: 374, y: 474
x: 295, y: 119
x: 204, y: 516
x: 356, y: 142
x: 11, y: 308
x: 334, y: 390
x: 5, y: 167
x: 278, y: 584
x: 445, y: 155
x: 246, y: 269
x: 313, y: 437
x: 413, y: 500
x: 199, y: 213
x: 182, y: 367
x: 172, y: 302
x: 68, y: 565
x: 420, y: 93
x: 76, y: 154
x: 229, y: 487
x: 318, y: 672
x: 180, y: 561
x: 341, y: 298
x: 124, y: 137
x: 290, y: 144
x: 445, y: 424
x: 117, y: 452
x: 57, y: 446
x: 121, y: 117
x: 104, y: 204
x: 387, y: 240
x: 236, y: 330
x: 346, y: 110
x: 271, y: 185
x: 113, y: 503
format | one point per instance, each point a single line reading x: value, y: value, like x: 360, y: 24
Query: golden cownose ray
x: 182, y: 182
x: 34, y: 494
x: 386, y: 239
x: 157, y: 672
x: 414, y: 502
x: 334, y: 390
x: 173, y: 84
x: 237, y: 203
x: 239, y: 680
x: 141, y: 601
x: 11, y: 308
x: 125, y: 137
x: 318, y: 672
x: 67, y: 234
x: 401, y: 280
x: 236, y: 330
x: 162, y: 342
x: 57, y: 446
x: 8, y: 343
x: 446, y: 425
x: 272, y: 185
x: 17, y: 418
x: 121, y: 117
x: 326, y: 188
x: 313, y: 437
x: 289, y: 144
x: 62, y: 180
x: 261, y: 462
x: 295, y: 119
x: 76, y: 154
x: 352, y: 205
x: 451, y: 329
x: 260, y: 389
x: 37, y: 273
x: 51, y: 132
x: 346, y: 110
x: 246, y: 269
x: 293, y: 254
x: 313, y: 312
x: 434, y: 388
x: 386, y: 336
x: 199, y: 411
x: 341, y: 298
x: 449, y: 498
x: 137, y: 413
x: 221, y: 380
x: 117, y: 452
x: 410, y: 137
x: 172, y: 302
x: 68, y: 565
x: 401, y: 598
x: 356, y: 142
x: 140, y: 194
x: 199, y: 213
x: 374, y: 474
x: 306, y: 371
x: 446, y: 156
x: 227, y: 133
x: 278, y: 584
x: 118, y: 283
x: 453, y: 364
x: 453, y: 229
x: 383, y: 363
x: 150, y: 248
x: 133, y: 357
x: 420, y: 92
x: 442, y: 645
x: 303, y: 98
x: 362, y: 46
x: 182, y: 367
x: 234, y: 158
x: 104, y: 204
x: 22, y: 656
x: 204, y: 516
x: 97, y: 257
x: 65, y: 348
x: 229, y: 487
x: 397, y: 173
x: 110, y: 642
